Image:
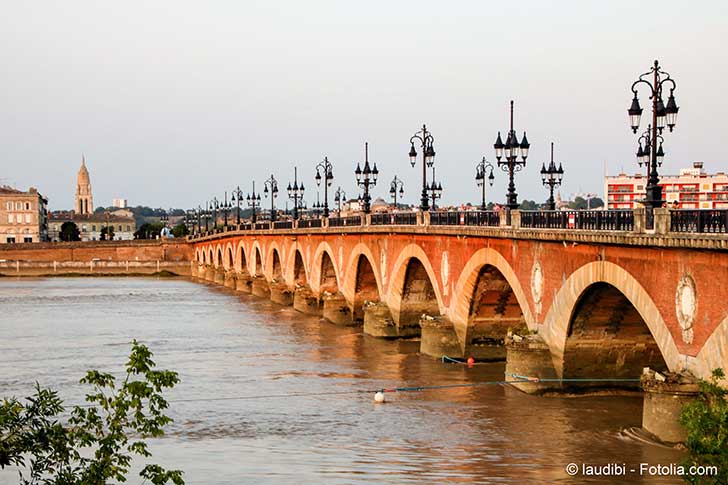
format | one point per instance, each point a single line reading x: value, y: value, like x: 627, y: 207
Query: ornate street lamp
x: 271, y: 186
x: 317, y: 206
x: 662, y: 115
x: 207, y: 215
x: 253, y: 200
x: 435, y: 190
x: 395, y: 186
x: 551, y: 177
x: 428, y: 159
x: 339, y: 197
x: 295, y: 192
x: 480, y: 169
x: 237, y: 197
x: 225, y: 210
x: 215, y: 205
x: 511, y: 150
x: 366, y: 178
x: 328, y: 179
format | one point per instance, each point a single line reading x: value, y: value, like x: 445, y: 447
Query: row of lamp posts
x: 510, y: 156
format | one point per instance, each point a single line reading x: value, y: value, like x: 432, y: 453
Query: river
x: 233, y: 350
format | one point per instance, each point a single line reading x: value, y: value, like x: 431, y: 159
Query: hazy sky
x: 174, y: 102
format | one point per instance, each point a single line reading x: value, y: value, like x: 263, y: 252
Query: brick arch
x: 241, y: 258
x: 272, y: 250
x: 256, y: 253
x: 210, y: 257
x: 397, y: 280
x: 559, y: 316
x: 315, y: 270
x: 197, y: 255
x: 218, y: 256
x: 229, y: 257
x: 289, y: 271
x: 361, y: 250
x: 465, y: 287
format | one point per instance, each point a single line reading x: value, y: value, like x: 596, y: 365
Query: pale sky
x: 175, y: 102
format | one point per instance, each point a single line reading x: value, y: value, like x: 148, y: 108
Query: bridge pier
x: 664, y: 399
x: 378, y: 321
x: 229, y: 279
x: 530, y: 356
x: 243, y: 282
x: 306, y: 302
x: 260, y: 287
x: 281, y: 294
x: 438, y: 338
x: 337, y: 310
x: 219, y: 276
x: 209, y: 274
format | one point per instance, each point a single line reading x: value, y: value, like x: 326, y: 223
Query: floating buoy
x: 471, y: 361
x: 379, y: 397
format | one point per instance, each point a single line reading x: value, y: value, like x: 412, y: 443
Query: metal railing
x: 701, y: 221
x: 283, y: 225
x: 262, y: 226
x: 344, y: 221
x: 606, y: 220
x: 308, y: 223
x: 444, y: 218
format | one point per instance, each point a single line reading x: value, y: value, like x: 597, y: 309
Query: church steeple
x: 84, y: 198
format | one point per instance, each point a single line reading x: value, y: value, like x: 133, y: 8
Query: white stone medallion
x: 686, y: 306
x: 537, y: 285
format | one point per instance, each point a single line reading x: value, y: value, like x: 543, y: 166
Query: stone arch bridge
x: 582, y: 303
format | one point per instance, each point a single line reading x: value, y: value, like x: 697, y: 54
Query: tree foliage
x: 180, y: 230
x: 706, y: 422
x: 528, y: 205
x: 69, y: 232
x: 149, y: 230
x: 97, y: 443
x: 580, y: 203
x: 107, y: 233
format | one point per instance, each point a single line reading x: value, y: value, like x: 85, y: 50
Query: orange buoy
x: 471, y: 361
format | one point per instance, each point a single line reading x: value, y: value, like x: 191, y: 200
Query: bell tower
x: 84, y: 199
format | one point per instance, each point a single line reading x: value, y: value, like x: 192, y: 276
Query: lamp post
x: 480, y: 177
x: 551, y: 177
x: 435, y: 190
x: 662, y: 115
x: 215, y: 206
x: 316, y: 206
x: 328, y: 178
x: 366, y: 178
x: 271, y: 186
x: 295, y: 192
x: 207, y: 215
x: 253, y: 202
x: 511, y: 150
x: 394, y: 186
x: 428, y: 159
x: 339, y: 197
x: 225, y: 209
x: 237, y: 197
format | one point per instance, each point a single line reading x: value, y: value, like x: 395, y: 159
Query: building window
x: 10, y: 239
x: 27, y: 206
x: 83, y: 227
x: 9, y: 206
x: 128, y: 228
x: 18, y: 206
x: 28, y: 239
x: 27, y: 218
x: 10, y: 219
x: 93, y: 228
x: 120, y: 229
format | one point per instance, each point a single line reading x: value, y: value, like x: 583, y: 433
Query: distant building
x: 23, y: 216
x: 90, y: 224
x: 693, y: 188
x: 120, y: 203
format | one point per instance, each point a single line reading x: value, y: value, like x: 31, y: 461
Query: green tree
x: 528, y: 205
x: 107, y: 233
x: 97, y: 444
x: 180, y: 230
x: 706, y: 422
x: 149, y: 230
x: 69, y: 232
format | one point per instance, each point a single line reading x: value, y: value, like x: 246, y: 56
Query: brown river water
x: 243, y: 363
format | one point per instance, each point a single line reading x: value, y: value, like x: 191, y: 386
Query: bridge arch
x: 489, y: 298
x: 241, y: 260
x: 714, y: 353
x: 257, y: 263
x: 273, y: 262
x: 296, y: 273
x: 229, y: 262
x: 413, y: 287
x: 209, y: 255
x: 324, y: 276
x: 362, y: 280
x: 218, y: 256
x: 573, y: 292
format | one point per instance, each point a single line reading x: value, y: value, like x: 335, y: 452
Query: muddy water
x: 243, y: 360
